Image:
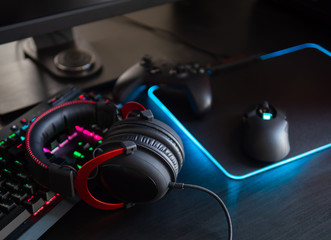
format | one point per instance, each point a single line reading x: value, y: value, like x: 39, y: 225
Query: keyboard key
x: 7, y: 172
x: 14, y: 128
x: 19, y: 197
x: 23, y: 130
x: 18, y: 164
x: 54, y: 144
x: 4, y: 194
x: 12, y: 185
x: 5, y: 145
x: 3, y: 162
x: 46, y: 194
x: 29, y: 188
x: 13, y: 137
x: 33, y: 204
x: 24, y: 121
x: 61, y: 138
x: 22, y: 177
x: 7, y: 206
x: 2, y: 181
x: 16, y: 151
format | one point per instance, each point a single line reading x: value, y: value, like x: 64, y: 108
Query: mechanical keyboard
x: 27, y: 210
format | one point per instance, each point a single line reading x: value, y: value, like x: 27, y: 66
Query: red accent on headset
x: 27, y: 142
x: 80, y: 181
x: 129, y: 107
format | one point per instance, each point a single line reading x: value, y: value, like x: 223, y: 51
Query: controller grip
x: 200, y: 95
x: 191, y: 78
x: 128, y: 84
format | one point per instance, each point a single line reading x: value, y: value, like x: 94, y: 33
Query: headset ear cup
x: 143, y: 176
x: 137, y: 177
x: 49, y: 125
x: 154, y: 134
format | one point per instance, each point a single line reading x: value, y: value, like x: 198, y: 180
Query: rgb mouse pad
x: 297, y: 81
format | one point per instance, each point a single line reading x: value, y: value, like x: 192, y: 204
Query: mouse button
x: 281, y: 115
x: 255, y: 122
x: 249, y: 115
x: 279, y: 124
x: 266, y: 113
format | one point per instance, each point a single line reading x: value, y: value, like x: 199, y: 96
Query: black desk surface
x: 290, y: 202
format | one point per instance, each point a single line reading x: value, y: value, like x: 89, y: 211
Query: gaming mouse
x: 265, y: 136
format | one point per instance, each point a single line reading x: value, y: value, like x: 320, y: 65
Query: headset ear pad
x: 144, y: 175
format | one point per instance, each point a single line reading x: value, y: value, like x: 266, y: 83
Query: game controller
x: 191, y: 78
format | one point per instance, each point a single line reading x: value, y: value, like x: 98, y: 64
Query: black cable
x: 219, y: 200
x: 247, y: 60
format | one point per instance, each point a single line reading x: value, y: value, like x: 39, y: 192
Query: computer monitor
x: 50, y: 24
x: 31, y: 18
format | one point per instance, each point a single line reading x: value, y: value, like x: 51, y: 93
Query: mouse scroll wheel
x: 265, y: 111
x: 266, y: 116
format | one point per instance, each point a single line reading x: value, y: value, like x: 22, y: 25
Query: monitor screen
x: 29, y: 18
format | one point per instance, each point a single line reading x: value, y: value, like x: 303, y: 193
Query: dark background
x: 290, y: 202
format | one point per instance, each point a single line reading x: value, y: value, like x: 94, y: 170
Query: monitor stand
x: 63, y: 56
x: 31, y: 71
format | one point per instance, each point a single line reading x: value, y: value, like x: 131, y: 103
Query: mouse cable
x: 219, y: 200
x: 236, y: 63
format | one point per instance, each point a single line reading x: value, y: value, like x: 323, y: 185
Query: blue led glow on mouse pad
x: 295, y: 80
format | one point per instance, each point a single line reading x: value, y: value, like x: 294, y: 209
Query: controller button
x: 197, y: 65
x: 181, y: 68
x: 202, y: 70
x: 194, y: 71
x: 172, y: 71
x: 146, y: 61
x: 155, y: 70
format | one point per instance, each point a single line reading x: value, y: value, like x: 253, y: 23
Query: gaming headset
x: 137, y: 160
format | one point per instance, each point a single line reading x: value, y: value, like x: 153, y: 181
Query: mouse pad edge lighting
x: 294, y: 80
